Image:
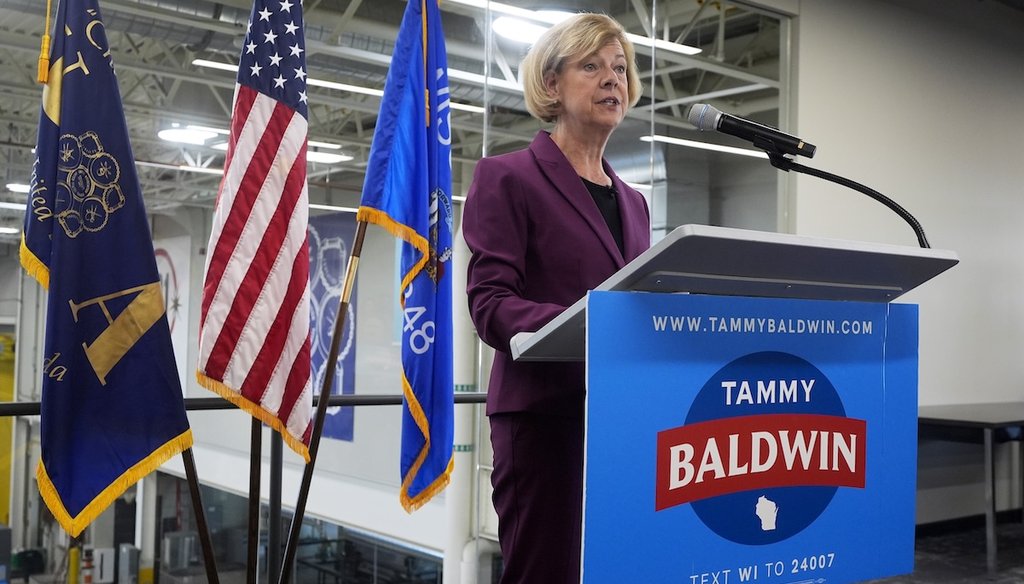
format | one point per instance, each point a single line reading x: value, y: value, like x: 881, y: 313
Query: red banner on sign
x: 728, y: 455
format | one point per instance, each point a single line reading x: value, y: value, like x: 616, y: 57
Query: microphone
x: 706, y: 117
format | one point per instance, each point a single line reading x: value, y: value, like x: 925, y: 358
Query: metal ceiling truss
x: 153, y: 44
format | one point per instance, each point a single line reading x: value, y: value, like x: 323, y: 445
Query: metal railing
x: 274, y: 551
x: 195, y: 404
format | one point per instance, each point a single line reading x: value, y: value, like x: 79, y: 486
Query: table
x: 986, y: 423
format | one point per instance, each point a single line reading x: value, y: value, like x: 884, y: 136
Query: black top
x: 604, y: 196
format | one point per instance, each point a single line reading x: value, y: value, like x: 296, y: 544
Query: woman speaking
x: 545, y: 225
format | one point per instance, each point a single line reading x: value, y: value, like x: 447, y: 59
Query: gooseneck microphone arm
x: 778, y: 144
x: 782, y: 163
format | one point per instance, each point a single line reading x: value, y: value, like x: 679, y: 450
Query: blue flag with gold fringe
x: 407, y: 191
x: 112, y: 407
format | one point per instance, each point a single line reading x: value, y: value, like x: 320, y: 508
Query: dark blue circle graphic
x: 772, y: 514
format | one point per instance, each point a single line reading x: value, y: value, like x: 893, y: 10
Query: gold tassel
x: 44, y: 61
x: 43, y: 73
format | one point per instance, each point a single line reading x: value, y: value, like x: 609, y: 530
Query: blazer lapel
x: 560, y: 172
x: 636, y: 234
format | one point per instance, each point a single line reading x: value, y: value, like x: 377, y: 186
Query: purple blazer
x: 538, y: 244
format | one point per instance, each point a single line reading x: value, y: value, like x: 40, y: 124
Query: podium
x: 751, y: 409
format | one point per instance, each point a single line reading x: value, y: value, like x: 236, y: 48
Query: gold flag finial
x: 42, y: 75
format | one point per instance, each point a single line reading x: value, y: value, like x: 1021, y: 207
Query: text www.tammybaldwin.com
x: 760, y: 325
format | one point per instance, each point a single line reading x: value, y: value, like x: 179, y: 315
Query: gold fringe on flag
x: 413, y: 503
x: 255, y: 410
x: 75, y: 525
x: 33, y: 265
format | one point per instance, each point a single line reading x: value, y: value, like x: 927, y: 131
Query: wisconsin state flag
x: 407, y: 191
x: 112, y: 408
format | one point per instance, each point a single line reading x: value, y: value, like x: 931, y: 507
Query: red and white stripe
x: 254, y: 344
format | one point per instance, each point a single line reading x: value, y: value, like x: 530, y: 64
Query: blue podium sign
x: 734, y: 439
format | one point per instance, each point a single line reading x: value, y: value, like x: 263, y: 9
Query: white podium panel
x: 702, y: 259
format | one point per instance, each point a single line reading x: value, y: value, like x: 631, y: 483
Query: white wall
x: 922, y: 101
x: 926, y: 108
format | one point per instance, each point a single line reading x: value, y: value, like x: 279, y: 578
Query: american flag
x: 254, y: 347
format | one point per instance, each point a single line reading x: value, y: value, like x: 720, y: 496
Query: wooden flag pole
x: 321, y: 407
x: 255, y: 467
x: 200, y: 511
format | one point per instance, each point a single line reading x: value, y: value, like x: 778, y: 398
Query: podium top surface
x: 703, y: 259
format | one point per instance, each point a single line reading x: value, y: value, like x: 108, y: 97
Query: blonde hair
x: 573, y: 38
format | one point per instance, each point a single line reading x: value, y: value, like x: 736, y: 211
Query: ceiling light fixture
x: 320, y: 207
x: 481, y: 80
x: 200, y: 169
x: 9, y: 230
x: 12, y: 206
x: 517, y: 29
x: 18, y: 187
x: 189, y: 135
x: 215, y: 65
x: 520, y: 30
x: 538, y: 16
x: 704, y: 146
x: 328, y: 145
x: 326, y: 157
x: 703, y: 97
x: 662, y: 45
x: 465, y: 107
x: 503, y: 9
x: 345, y: 87
x: 218, y: 131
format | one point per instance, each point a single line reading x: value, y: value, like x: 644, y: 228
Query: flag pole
x: 321, y: 407
x: 255, y: 466
x: 274, y: 521
x: 74, y: 559
x: 197, y: 507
